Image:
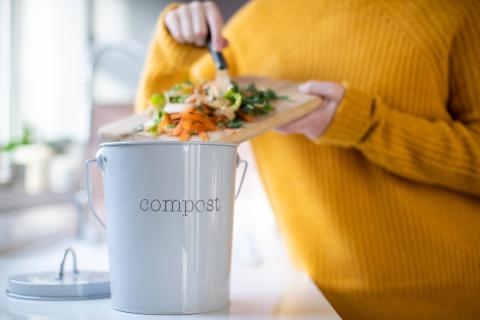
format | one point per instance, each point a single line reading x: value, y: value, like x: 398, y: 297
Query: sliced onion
x: 175, y: 107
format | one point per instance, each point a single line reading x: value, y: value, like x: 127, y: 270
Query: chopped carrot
x: 197, y: 127
x: 209, y: 126
x: 200, y: 118
x: 178, y: 130
x: 187, y: 124
x: 207, y: 109
x: 162, y: 125
x: 245, y: 116
x: 184, y: 136
x: 219, y: 119
x: 203, y: 135
x: 191, y: 121
x: 165, y: 120
x: 176, y: 116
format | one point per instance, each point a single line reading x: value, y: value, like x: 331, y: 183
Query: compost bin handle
x: 245, y: 167
x: 89, y: 192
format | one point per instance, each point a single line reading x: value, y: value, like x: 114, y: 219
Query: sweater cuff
x: 177, y: 54
x: 352, y: 120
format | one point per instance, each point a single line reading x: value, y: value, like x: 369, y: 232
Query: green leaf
x: 235, y: 87
x: 178, y: 98
x: 235, y: 123
x: 160, y: 114
x: 268, y: 107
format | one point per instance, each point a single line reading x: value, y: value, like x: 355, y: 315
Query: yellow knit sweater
x: 383, y: 211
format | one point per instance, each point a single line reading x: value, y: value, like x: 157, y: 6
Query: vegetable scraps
x: 187, y: 110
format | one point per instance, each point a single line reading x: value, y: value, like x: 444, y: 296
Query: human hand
x: 189, y: 23
x: 314, y: 124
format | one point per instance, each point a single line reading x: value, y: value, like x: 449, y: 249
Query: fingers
x: 186, y: 23
x: 313, y: 124
x: 215, y: 23
x: 172, y: 23
x: 329, y: 90
x: 199, y: 23
x: 190, y: 23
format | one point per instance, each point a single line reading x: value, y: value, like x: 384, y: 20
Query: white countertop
x: 270, y: 291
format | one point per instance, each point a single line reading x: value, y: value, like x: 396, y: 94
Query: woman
x: 377, y: 191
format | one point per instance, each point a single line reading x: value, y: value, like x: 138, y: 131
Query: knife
x: 222, y: 78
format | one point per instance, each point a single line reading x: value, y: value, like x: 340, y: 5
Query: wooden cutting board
x: 285, y: 110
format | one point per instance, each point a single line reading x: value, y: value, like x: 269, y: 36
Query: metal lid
x: 73, y: 285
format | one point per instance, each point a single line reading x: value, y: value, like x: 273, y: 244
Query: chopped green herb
x: 235, y: 123
x: 235, y: 87
x: 178, y: 98
x: 257, y: 102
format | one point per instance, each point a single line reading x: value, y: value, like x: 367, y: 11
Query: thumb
x: 329, y: 90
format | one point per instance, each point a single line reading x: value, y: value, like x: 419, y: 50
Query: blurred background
x: 67, y: 67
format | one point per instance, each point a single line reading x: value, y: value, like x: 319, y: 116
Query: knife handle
x: 217, y: 56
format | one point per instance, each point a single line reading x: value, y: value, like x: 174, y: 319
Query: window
x: 5, y: 66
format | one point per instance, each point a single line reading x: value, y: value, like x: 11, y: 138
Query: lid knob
x: 62, y: 264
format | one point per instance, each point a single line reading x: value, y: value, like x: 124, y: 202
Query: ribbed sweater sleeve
x: 442, y: 153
